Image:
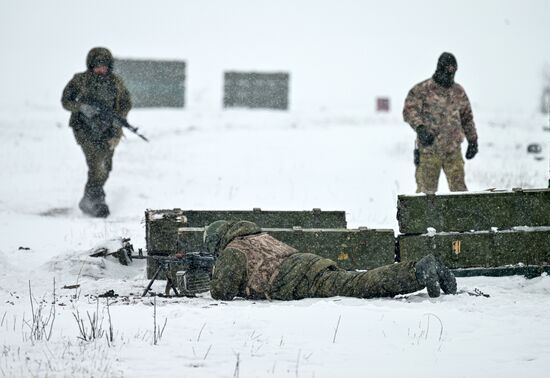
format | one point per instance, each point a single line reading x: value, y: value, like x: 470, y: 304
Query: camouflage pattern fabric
x: 238, y: 229
x: 429, y: 169
x: 280, y: 272
x: 446, y: 113
x: 298, y: 274
x: 305, y: 275
x: 99, y: 159
x: 220, y: 233
x: 264, y: 255
x: 229, y: 275
x: 87, y: 87
x: 97, y: 143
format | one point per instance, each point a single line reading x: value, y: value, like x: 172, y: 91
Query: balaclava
x: 443, y: 76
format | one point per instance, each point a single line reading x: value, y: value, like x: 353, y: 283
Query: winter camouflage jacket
x: 248, y: 262
x: 446, y: 112
x: 254, y: 265
x: 86, y: 87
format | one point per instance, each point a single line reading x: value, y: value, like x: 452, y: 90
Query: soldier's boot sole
x: 432, y: 285
x: 426, y: 275
x: 447, y: 280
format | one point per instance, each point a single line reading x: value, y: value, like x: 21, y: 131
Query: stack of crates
x: 477, y: 230
x: 319, y: 232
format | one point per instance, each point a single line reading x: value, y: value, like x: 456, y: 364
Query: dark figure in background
x: 439, y: 112
x: 85, y: 96
x: 254, y: 265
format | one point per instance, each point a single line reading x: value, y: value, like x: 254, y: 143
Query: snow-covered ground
x: 330, y: 151
x: 241, y: 160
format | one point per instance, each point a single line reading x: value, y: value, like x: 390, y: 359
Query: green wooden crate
x: 480, y: 249
x: 161, y: 226
x: 477, y: 211
x: 161, y: 230
x: 351, y: 248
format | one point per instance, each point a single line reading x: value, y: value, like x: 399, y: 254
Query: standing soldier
x: 90, y: 96
x: 439, y: 112
x: 254, y: 265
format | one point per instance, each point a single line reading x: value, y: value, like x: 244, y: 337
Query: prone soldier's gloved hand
x: 432, y: 273
x: 88, y: 110
x: 471, y: 151
x: 424, y: 136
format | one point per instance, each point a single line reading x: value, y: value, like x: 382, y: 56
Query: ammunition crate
x: 161, y: 226
x: 476, y: 211
x: 351, y: 248
x: 480, y: 249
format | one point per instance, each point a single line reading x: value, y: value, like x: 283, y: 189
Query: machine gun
x: 106, y: 117
x: 193, y: 275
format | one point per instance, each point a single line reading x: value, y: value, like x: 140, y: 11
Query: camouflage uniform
x: 447, y: 115
x: 430, y: 166
x: 98, y: 143
x: 254, y: 265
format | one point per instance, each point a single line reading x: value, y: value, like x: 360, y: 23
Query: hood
x: 99, y: 56
x: 220, y: 233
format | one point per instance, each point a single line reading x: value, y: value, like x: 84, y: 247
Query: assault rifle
x: 108, y: 116
x: 193, y: 276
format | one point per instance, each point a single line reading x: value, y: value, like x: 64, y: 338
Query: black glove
x: 416, y: 158
x: 424, y: 136
x: 471, y: 151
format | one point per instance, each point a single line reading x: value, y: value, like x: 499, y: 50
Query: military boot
x: 432, y: 273
x: 447, y: 279
x: 102, y: 210
x: 93, y: 203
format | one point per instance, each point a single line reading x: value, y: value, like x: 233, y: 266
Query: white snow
x: 360, y: 169
x: 330, y: 152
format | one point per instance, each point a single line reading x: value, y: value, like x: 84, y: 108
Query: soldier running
x: 84, y: 96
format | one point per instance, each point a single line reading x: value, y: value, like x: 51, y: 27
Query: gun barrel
x: 124, y: 123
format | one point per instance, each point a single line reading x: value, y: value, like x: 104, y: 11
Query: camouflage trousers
x: 99, y: 159
x: 429, y: 169
x: 304, y: 275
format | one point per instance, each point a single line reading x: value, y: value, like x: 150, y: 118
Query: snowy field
x: 241, y: 160
x: 329, y: 151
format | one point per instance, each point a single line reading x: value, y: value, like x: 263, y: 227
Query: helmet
x: 99, y: 56
x: 213, y: 235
